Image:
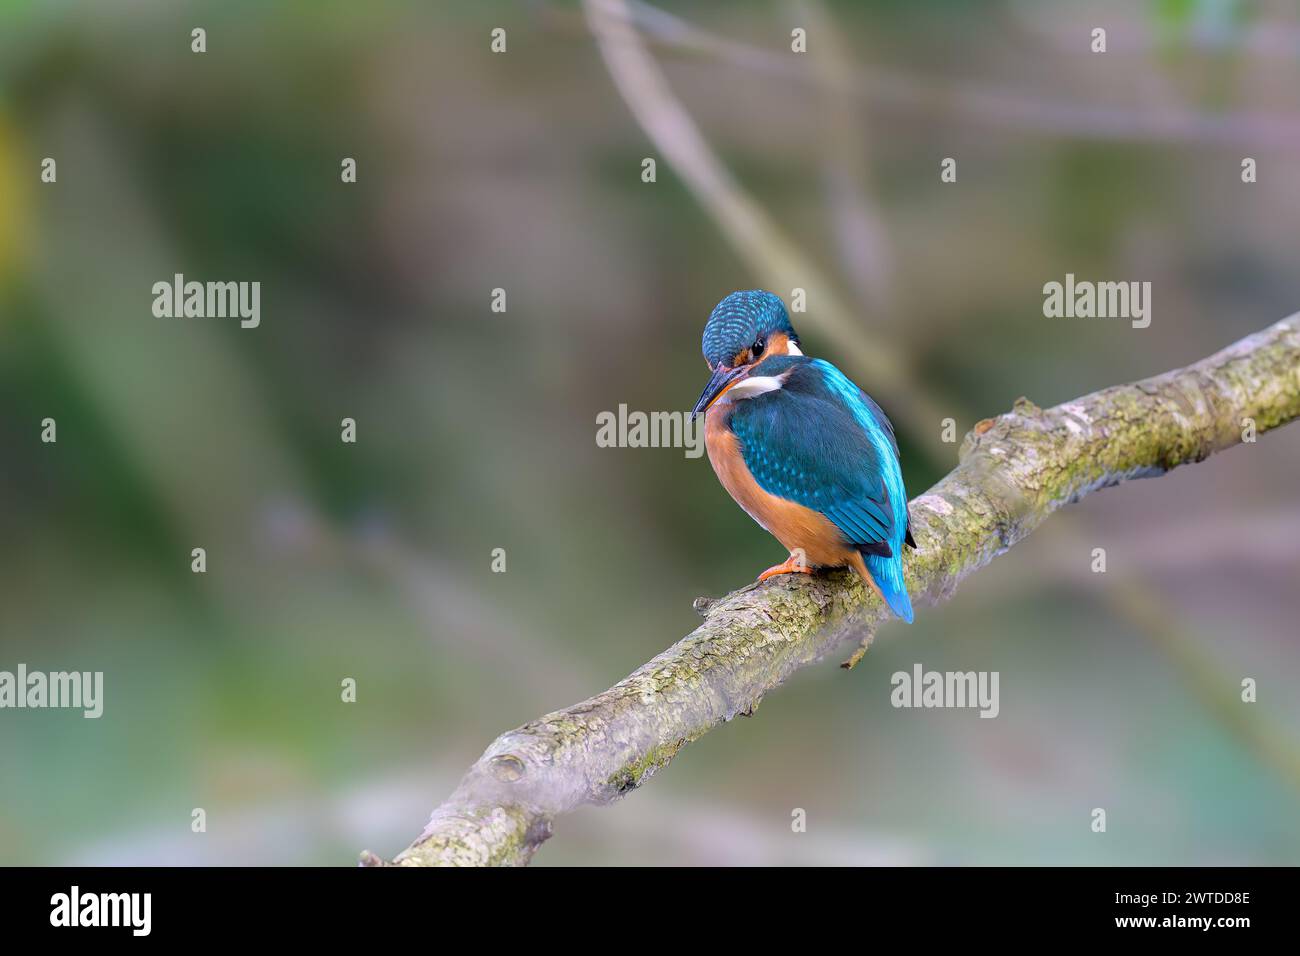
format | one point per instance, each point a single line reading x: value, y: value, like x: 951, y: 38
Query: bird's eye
x: 757, y: 347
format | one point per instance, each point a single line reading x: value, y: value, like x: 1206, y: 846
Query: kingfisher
x: 802, y: 449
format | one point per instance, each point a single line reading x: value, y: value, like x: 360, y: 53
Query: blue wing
x: 821, y: 442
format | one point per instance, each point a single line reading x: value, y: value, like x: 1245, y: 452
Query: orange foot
x: 791, y: 565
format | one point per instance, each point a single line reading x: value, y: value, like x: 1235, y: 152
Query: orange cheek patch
x: 778, y: 344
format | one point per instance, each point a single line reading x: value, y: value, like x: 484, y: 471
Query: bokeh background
x: 476, y: 430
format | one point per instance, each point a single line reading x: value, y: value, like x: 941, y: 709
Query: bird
x: 802, y: 449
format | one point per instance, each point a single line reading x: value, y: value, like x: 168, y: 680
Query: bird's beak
x: 722, y: 377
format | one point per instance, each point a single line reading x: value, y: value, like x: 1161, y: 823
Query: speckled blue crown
x: 741, y: 318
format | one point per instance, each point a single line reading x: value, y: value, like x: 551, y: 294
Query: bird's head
x: 744, y: 329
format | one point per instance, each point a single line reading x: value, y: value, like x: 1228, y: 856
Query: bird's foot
x: 791, y: 565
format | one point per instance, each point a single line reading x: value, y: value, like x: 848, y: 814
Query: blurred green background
x: 476, y: 430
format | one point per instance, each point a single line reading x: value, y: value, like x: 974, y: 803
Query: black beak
x: 722, y: 377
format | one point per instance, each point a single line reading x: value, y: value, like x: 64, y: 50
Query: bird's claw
x: 789, y: 566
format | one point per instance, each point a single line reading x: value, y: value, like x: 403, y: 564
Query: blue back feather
x: 822, y: 442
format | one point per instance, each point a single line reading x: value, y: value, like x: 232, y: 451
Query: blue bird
x: 802, y: 449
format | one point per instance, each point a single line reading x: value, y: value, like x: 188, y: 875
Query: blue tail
x: 888, y: 575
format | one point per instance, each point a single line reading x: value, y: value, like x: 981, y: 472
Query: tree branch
x: 1014, y: 471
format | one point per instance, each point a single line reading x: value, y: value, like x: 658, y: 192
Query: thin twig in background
x: 862, y: 240
x: 747, y: 227
x: 975, y: 103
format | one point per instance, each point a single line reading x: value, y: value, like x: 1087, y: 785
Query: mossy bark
x: 1014, y: 471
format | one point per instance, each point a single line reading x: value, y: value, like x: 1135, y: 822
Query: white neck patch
x: 792, y: 349
x: 754, y: 385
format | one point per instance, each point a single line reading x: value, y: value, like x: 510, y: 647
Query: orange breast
x: 791, y: 523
